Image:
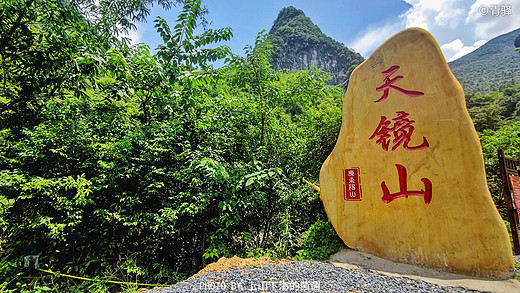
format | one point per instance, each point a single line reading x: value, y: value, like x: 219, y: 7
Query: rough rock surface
x: 420, y: 195
x: 299, y: 44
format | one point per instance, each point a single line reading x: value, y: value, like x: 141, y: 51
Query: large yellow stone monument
x: 406, y: 178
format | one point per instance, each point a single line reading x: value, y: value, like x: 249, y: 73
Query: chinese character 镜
x: 401, y: 130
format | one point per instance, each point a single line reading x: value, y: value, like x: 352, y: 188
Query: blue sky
x: 460, y: 26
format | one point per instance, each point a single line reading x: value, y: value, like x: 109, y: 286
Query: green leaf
x: 250, y: 181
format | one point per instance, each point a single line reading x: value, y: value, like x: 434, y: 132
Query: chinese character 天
x: 389, y: 84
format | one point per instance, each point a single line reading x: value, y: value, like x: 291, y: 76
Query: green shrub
x: 319, y: 242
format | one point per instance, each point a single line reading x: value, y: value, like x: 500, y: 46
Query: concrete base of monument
x: 349, y: 258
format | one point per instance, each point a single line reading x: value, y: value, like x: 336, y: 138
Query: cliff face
x: 299, y: 44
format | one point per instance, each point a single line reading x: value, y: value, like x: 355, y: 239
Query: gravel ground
x: 303, y: 276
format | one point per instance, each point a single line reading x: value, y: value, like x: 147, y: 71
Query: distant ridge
x: 489, y: 67
x: 299, y: 44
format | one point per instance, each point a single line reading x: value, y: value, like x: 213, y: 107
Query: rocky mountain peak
x: 298, y: 44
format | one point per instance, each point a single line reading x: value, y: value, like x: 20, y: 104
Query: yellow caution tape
x: 97, y: 280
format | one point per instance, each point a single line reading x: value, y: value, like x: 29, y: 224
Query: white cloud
x: 374, y: 37
x: 461, y: 25
x: 428, y: 14
x: 134, y: 35
x: 491, y: 18
x: 449, y: 17
x: 457, y: 49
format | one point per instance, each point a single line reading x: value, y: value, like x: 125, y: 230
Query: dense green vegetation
x: 488, y: 76
x: 124, y: 165
x: 497, y: 119
x: 119, y: 164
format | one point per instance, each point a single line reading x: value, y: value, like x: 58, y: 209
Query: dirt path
x: 349, y: 258
x: 236, y: 262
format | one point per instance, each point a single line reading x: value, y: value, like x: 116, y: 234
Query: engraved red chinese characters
x: 352, y: 188
x: 403, y: 186
x: 402, y: 131
x: 389, y: 84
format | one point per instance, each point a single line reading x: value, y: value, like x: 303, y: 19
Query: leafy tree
x: 272, y: 92
x: 505, y: 138
x: 255, y: 73
x: 144, y: 167
x: 182, y: 49
x: 510, y: 100
x: 493, y: 110
x: 39, y: 42
x: 115, y: 18
x: 486, y: 117
x: 48, y: 48
x: 80, y: 174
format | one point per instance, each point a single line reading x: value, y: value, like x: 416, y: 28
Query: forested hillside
x: 497, y: 119
x: 489, y: 67
x: 120, y: 165
x: 298, y: 44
